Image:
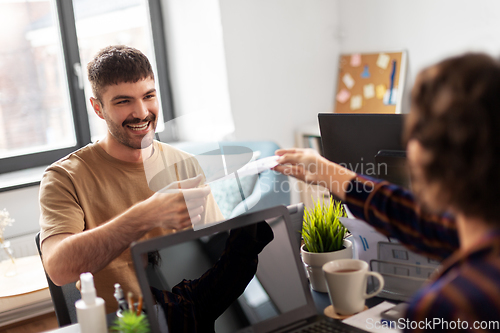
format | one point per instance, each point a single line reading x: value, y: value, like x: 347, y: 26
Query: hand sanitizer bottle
x: 90, y: 310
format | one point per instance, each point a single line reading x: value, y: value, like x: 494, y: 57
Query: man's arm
x: 66, y: 256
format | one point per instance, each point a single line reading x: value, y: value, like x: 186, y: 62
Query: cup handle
x: 380, y: 279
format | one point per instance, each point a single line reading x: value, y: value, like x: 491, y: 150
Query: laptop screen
x: 169, y: 270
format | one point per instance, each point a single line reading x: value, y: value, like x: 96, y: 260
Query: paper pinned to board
x: 369, y: 91
x: 348, y: 80
x: 365, y: 238
x: 355, y: 60
x: 380, y: 90
x: 383, y: 60
x: 390, y: 96
x: 356, y: 102
x: 343, y: 95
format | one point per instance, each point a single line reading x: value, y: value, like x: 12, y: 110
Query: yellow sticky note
x: 369, y: 91
x: 356, y: 102
x: 380, y: 91
x: 383, y: 60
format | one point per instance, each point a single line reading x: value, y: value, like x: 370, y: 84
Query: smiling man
x: 96, y: 201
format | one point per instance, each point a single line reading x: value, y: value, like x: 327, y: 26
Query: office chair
x: 63, y: 297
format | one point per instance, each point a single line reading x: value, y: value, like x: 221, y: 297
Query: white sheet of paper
x: 383, y: 60
x: 369, y: 320
x: 369, y: 91
x: 348, y: 80
x: 253, y: 168
x: 356, y: 102
x: 393, y: 96
x: 365, y: 238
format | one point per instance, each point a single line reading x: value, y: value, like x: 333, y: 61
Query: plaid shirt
x: 465, y: 293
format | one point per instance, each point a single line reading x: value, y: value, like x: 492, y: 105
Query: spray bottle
x: 90, y: 310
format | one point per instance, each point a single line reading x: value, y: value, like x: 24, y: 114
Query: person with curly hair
x: 452, y: 214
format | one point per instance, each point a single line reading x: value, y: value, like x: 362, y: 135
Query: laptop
x: 277, y: 299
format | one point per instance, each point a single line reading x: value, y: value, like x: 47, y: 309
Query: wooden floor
x: 34, y: 325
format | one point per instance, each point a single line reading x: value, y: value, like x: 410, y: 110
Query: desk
x: 75, y: 328
x: 322, y: 300
x: 26, y: 294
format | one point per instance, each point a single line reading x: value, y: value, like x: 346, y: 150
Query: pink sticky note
x: 343, y: 95
x: 355, y: 60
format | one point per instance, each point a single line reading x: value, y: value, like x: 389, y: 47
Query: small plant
x: 322, y: 230
x: 130, y: 322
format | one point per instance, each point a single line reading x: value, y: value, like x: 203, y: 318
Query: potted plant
x: 131, y: 322
x: 324, y: 240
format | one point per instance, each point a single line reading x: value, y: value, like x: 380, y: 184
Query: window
x: 44, y: 91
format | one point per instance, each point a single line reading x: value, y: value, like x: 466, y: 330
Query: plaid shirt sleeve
x: 394, y: 212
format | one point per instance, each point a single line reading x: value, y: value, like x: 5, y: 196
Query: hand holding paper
x: 195, y: 197
x: 253, y: 168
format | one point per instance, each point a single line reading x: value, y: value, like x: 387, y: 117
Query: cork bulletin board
x: 371, y: 82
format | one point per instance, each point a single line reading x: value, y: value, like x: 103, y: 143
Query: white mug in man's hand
x: 346, y: 280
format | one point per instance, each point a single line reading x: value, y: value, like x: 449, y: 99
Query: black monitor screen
x: 369, y: 144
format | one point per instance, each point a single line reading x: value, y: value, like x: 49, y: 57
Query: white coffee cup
x: 346, y: 280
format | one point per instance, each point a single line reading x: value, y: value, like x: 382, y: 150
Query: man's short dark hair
x: 455, y: 116
x: 117, y: 64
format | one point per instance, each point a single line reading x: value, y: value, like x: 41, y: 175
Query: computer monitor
x: 369, y: 144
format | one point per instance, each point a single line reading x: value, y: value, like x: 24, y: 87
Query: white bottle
x: 90, y: 310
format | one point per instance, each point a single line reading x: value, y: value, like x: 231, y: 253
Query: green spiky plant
x: 322, y: 230
x: 130, y: 322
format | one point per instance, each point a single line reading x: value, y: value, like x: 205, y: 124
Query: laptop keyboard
x: 326, y: 326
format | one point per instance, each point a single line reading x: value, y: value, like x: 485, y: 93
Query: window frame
x: 69, y: 41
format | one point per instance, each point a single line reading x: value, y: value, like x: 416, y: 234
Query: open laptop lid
x: 277, y: 297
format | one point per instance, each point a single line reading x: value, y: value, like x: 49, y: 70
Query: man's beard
x: 120, y: 134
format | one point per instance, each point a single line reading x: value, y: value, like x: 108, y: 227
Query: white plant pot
x: 313, y: 262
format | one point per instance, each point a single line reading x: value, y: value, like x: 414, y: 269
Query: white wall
x: 197, y: 67
x: 281, y: 62
x: 429, y: 30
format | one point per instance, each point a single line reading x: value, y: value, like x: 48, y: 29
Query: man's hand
x: 178, y: 205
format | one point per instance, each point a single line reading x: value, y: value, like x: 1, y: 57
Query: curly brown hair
x: 116, y: 64
x: 455, y: 116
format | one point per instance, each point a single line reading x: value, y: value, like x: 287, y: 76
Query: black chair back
x: 63, y: 297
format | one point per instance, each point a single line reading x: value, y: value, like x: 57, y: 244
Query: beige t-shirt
x: 89, y: 187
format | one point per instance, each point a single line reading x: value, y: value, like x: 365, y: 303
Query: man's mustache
x: 150, y: 117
